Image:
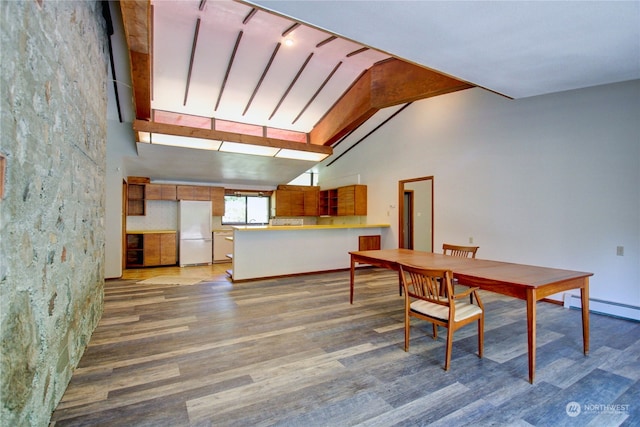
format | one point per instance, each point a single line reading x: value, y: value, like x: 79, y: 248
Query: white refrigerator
x: 196, y: 242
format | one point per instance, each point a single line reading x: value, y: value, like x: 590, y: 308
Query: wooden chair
x: 423, y: 300
x: 462, y: 252
x: 459, y: 251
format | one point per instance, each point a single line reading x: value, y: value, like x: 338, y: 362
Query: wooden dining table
x: 526, y: 282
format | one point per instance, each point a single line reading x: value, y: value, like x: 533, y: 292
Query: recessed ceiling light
x: 288, y: 42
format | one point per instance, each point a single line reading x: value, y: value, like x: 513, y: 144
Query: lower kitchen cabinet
x: 151, y: 249
x: 168, y: 249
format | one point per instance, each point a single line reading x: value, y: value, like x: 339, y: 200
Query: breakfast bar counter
x: 271, y: 251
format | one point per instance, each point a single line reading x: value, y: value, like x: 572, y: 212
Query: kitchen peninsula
x: 270, y: 251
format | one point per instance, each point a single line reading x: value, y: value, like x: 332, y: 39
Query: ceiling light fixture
x: 288, y: 42
x: 241, y: 148
x: 286, y: 153
x: 183, y: 141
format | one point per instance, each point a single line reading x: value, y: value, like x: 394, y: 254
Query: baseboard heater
x: 615, y: 309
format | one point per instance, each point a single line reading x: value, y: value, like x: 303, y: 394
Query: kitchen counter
x: 306, y: 227
x: 271, y: 251
x: 150, y: 231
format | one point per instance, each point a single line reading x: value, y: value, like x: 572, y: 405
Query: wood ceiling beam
x: 313, y: 97
x: 397, y: 82
x: 386, y: 84
x: 349, y: 112
x: 177, y: 130
x: 229, y: 65
x: 293, y: 82
x: 136, y: 17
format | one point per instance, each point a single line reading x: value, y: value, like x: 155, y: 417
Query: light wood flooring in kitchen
x: 294, y: 352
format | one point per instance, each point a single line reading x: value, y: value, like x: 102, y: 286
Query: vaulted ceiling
x: 308, y: 74
x: 227, y: 72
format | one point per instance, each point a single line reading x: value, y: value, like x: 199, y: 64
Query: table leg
x: 531, y: 332
x: 584, y: 296
x: 353, y: 268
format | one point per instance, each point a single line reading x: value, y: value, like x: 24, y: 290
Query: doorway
x: 125, y: 197
x: 408, y: 213
x: 415, y: 213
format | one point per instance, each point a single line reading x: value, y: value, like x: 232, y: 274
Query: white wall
x: 551, y: 180
x: 159, y: 215
x: 119, y: 144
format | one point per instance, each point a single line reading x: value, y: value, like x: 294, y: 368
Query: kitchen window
x: 246, y: 210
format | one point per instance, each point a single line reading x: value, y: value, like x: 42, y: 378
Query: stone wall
x: 53, y: 102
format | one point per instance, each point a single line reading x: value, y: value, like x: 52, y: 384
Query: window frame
x: 246, y: 204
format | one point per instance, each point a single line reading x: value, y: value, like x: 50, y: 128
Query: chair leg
x: 407, y: 328
x: 435, y: 331
x: 447, y: 356
x: 481, y: 335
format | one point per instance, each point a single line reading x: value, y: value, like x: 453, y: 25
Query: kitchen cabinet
x: 328, y: 203
x: 160, y: 192
x: 135, y: 247
x: 311, y: 202
x: 344, y: 201
x: 151, y: 249
x: 352, y: 200
x: 289, y: 203
x: 217, y: 200
x: 193, y: 192
x: 295, y: 200
x: 168, y: 249
x: 136, y: 199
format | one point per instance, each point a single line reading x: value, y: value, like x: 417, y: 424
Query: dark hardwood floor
x: 294, y: 352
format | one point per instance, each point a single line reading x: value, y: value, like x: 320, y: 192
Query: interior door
x: 408, y: 219
x: 416, y: 214
x: 125, y: 197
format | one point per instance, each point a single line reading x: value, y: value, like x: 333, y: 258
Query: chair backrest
x: 427, y: 283
x: 459, y: 251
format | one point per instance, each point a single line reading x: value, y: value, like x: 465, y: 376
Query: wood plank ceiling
x: 221, y: 65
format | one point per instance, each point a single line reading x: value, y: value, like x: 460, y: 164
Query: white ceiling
x: 191, y: 165
x: 221, y: 22
x: 518, y: 49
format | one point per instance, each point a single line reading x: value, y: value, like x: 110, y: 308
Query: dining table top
x: 514, y: 274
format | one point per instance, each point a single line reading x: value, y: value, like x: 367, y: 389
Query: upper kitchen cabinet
x: 328, y: 202
x: 135, y: 199
x: 193, y: 192
x: 295, y: 200
x: 288, y: 203
x: 344, y: 201
x: 136, y: 204
x: 352, y: 200
x: 160, y: 192
x: 217, y: 200
x: 311, y: 202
